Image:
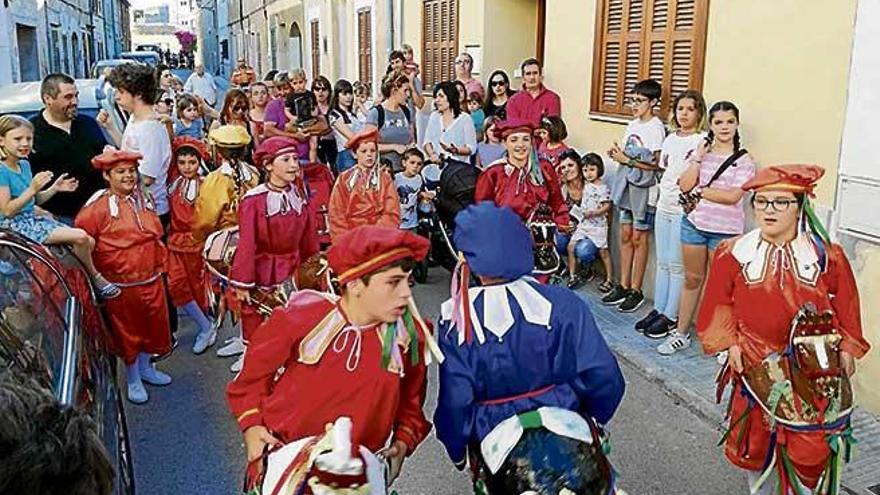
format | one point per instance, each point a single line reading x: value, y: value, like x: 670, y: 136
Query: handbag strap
x: 726, y: 165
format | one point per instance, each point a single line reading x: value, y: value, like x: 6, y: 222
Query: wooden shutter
x: 365, y: 46
x: 664, y: 40
x: 440, y: 35
x: 316, y: 49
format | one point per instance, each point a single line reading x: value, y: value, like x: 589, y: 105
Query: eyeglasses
x: 460, y: 62
x: 778, y: 205
x: 637, y: 100
x: 498, y: 83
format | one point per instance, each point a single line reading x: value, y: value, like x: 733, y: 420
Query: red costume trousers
x: 251, y: 319
x: 139, y: 320
x: 187, y: 279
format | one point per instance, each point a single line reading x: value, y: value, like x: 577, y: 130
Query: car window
x: 32, y: 299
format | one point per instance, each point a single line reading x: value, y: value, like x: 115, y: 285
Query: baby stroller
x: 454, y: 183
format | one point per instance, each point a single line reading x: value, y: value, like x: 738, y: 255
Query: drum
x: 319, y: 183
x: 218, y: 253
x: 315, y: 274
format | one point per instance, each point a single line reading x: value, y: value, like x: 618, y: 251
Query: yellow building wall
x: 512, y: 33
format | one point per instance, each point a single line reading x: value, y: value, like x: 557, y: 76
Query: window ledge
x: 612, y: 119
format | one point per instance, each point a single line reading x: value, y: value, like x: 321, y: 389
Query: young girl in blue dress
x: 20, y: 192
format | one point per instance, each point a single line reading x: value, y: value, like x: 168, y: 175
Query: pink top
x: 523, y: 106
x: 473, y: 85
x: 715, y: 217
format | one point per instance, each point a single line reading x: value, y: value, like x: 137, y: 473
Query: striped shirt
x: 717, y: 218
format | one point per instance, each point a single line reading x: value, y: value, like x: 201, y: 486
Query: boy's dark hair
x: 48, y: 448
x: 648, y: 88
x: 139, y: 80
x: 406, y: 264
x: 396, y: 55
x: 385, y: 162
x: 531, y: 61
x: 555, y: 128
x: 413, y: 152
x: 185, y: 101
x: 188, y: 151
x: 594, y: 160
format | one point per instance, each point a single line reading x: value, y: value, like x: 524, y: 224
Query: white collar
x: 190, y: 188
x: 497, y: 314
x: 752, y: 251
x: 243, y: 169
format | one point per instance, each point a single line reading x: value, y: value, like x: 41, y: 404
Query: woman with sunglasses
x: 499, y: 92
x: 760, y: 291
x: 322, y: 90
x: 236, y: 108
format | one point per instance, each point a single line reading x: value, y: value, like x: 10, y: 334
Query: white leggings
x: 770, y: 485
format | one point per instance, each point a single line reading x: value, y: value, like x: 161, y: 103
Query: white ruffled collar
x: 279, y: 201
x: 497, y: 313
x: 244, y: 171
x: 190, y: 188
x: 756, y: 254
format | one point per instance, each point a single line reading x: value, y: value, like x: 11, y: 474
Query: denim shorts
x: 695, y: 237
x: 643, y: 224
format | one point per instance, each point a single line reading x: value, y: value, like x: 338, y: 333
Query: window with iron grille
x: 440, y: 35
x: 365, y: 46
x: 638, y: 39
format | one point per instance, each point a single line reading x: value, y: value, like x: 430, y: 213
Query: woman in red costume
x: 130, y: 253
x: 758, y: 284
x: 275, y: 231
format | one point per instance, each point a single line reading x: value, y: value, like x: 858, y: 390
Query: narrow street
x: 186, y: 442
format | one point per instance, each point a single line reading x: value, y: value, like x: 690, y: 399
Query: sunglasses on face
x: 498, y: 83
x: 321, y: 88
x: 239, y: 108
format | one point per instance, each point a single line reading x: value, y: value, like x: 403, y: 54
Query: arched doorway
x: 294, y: 47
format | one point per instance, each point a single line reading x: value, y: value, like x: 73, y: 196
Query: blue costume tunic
x: 518, y: 363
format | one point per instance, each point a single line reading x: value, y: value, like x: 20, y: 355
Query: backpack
x: 380, y: 110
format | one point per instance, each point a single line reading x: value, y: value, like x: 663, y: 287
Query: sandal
x: 574, y: 282
x: 606, y: 286
x: 106, y: 290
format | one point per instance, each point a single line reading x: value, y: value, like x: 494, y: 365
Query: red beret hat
x: 512, y: 126
x: 794, y: 178
x: 190, y: 142
x: 112, y: 158
x: 368, y: 248
x: 272, y: 148
x: 366, y: 136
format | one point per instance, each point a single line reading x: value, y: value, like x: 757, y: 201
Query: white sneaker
x: 234, y: 347
x: 674, y: 342
x: 203, y: 341
x: 152, y: 376
x: 236, y: 366
x: 137, y: 393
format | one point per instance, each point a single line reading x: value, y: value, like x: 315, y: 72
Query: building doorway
x: 28, y: 53
x: 295, y: 47
x: 76, y: 55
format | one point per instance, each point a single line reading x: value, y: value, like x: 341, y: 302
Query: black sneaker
x: 615, y: 297
x: 661, y: 327
x: 632, y: 301
x: 645, y: 322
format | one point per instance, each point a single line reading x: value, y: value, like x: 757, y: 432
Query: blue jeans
x: 344, y: 161
x: 585, y: 251
x: 693, y: 236
x: 670, y: 267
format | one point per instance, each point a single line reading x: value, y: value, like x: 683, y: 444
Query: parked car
x: 144, y: 57
x: 52, y: 328
x: 24, y: 99
x: 100, y: 65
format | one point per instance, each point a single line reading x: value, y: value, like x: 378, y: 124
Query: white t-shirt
x: 354, y: 123
x: 641, y: 139
x: 203, y: 86
x: 149, y: 138
x: 460, y: 133
x: 674, y: 159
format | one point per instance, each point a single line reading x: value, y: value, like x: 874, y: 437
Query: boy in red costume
x: 187, y: 276
x: 361, y: 355
x: 129, y: 251
x: 275, y: 231
x: 364, y: 194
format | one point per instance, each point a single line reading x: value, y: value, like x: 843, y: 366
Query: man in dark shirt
x: 65, y: 142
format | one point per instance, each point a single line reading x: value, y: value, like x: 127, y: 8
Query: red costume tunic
x: 505, y: 185
x: 331, y: 369
x: 275, y: 236
x: 753, y: 291
x: 129, y: 252
x: 187, y: 276
x: 363, y: 197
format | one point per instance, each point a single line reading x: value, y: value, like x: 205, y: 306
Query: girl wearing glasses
x: 758, y: 283
x: 499, y: 92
